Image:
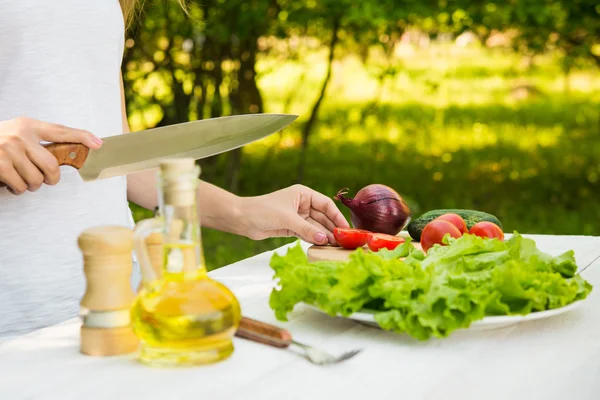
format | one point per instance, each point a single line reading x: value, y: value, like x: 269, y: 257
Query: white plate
x: 494, y: 322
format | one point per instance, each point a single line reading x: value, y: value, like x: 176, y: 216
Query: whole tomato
x: 377, y: 241
x: 435, y: 231
x: 455, y: 220
x: 487, y: 229
x: 349, y: 238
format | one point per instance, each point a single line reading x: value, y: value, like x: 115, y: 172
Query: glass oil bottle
x: 181, y: 316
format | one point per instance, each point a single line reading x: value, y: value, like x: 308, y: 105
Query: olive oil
x: 181, y: 316
x: 182, y: 320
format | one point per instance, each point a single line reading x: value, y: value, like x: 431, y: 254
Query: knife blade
x: 137, y: 151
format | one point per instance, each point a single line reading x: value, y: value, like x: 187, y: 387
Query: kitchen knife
x: 142, y: 150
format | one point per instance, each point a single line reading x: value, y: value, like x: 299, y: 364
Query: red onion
x: 377, y: 208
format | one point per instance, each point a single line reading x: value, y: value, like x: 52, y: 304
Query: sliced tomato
x: 434, y: 232
x: 377, y: 241
x: 455, y: 220
x: 487, y: 229
x: 349, y: 238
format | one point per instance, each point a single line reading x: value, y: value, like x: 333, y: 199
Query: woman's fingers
x: 46, y: 163
x: 309, y: 230
x: 322, y: 219
x: 10, y: 177
x: 324, y: 204
x: 63, y: 134
x: 29, y: 173
x: 56, y: 133
x: 322, y: 229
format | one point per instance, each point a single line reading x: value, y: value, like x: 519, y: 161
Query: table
x: 556, y: 358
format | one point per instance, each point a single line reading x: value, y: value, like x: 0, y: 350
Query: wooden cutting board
x: 334, y: 253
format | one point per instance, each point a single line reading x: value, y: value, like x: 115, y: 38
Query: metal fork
x: 319, y: 357
x: 277, y: 337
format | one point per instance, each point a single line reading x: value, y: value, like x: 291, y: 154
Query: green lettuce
x: 335, y: 287
x: 431, y: 296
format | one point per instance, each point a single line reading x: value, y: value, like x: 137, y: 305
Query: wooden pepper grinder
x: 106, y: 304
x: 154, y: 243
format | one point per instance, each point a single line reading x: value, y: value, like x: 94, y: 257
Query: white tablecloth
x: 555, y: 358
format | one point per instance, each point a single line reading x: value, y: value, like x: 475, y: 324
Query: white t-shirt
x: 59, y: 62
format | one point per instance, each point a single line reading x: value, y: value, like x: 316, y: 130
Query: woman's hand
x: 295, y: 211
x: 24, y: 163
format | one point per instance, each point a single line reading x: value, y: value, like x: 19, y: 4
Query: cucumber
x: 471, y: 217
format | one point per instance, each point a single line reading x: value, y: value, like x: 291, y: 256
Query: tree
x: 569, y: 26
x: 182, y: 67
x: 197, y: 66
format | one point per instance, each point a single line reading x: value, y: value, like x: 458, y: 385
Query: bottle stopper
x: 179, y: 177
x: 107, y: 264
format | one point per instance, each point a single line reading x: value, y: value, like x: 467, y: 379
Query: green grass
x: 446, y: 133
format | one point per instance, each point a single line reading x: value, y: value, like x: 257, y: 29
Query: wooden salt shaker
x: 107, y: 265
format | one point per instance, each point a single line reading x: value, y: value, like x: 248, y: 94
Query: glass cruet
x: 181, y: 316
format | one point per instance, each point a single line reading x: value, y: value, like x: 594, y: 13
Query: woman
x: 60, y: 82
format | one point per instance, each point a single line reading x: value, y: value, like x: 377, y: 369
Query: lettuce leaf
x: 431, y: 296
x: 301, y: 281
x: 337, y: 288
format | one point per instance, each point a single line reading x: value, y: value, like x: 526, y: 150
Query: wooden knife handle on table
x: 71, y: 154
x: 264, y: 333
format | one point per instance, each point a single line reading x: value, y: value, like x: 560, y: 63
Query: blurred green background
x: 493, y: 106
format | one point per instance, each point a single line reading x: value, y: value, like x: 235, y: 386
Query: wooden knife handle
x: 71, y: 154
x: 264, y: 333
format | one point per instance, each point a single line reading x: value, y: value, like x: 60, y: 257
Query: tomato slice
x: 455, y: 220
x: 377, y: 241
x: 487, y: 229
x: 434, y: 232
x: 350, y: 238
